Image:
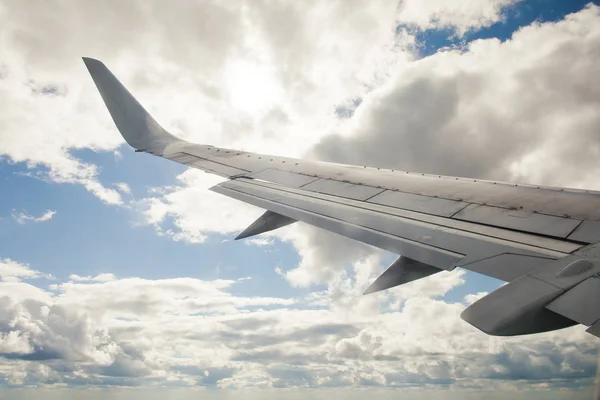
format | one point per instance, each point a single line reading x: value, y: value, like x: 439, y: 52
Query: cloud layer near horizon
x: 188, y: 332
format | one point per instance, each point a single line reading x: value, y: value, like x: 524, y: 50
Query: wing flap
x: 508, y: 266
x: 343, y: 189
x: 415, y: 202
x: 285, y: 178
x: 520, y: 220
x: 587, y: 232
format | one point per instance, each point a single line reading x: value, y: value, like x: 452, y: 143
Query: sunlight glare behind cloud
x: 252, y: 87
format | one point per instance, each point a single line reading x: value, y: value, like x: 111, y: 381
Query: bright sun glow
x: 252, y: 87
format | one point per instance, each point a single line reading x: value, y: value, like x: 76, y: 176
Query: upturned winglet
x: 138, y: 127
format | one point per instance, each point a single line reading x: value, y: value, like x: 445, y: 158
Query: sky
x: 119, y: 275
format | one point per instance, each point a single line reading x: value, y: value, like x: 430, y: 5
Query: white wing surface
x: 542, y: 240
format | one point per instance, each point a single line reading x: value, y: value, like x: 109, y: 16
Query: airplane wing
x: 541, y: 240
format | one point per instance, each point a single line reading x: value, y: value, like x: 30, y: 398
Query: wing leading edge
x: 524, y: 234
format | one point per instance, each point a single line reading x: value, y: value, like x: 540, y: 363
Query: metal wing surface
x: 518, y: 233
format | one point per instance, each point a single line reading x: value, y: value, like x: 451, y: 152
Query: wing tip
x: 135, y: 124
x: 91, y: 63
x: 89, y: 59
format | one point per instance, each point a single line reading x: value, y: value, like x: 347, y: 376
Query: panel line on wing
x: 504, y: 234
x: 388, y: 242
x: 414, y: 227
x: 343, y: 189
x: 195, y: 158
x: 520, y: 220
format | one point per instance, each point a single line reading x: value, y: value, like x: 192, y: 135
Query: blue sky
x: 515, y: 17
x: 284, y: 311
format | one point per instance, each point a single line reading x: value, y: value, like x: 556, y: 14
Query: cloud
x: 49, y: 95
x: 448, y: 113
x: 323, y: 254
x: 187, y: 332
x: 12, y: 271
x: 123, y: 187
x: 188, y: 211
x: 23, y: 218
x: 458, y: 16
x: 50, y: 135
x: 260, y: 241
x: 97, y: 278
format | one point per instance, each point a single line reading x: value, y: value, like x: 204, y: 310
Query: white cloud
x: 12, y: 271
x: 260, y: 241
x: 472, y: 298
x: 189, y: 332
x: 448, y: 114
x: 462, y: 16
x: 49, y: 133
x: 323, y: 254
x: 50, y: 107
x: 123, y: 187
x: 23, y: 218
x: 194, y: 210
x: 97, y: 278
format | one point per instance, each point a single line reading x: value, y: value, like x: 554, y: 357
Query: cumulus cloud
x: 23, y: 218
x: 210, y: 80
x: 495, y: 110
x: 189, y: 332
x: 36, y: 130
x: 461, y: 16
x: 323, y: 254
x: 193, y: 210
x: 123, y: 187
x: 260, y: 241
x: 12, y: 271
x: 97, y: 278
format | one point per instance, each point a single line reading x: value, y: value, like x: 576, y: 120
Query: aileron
x: 520, y: 220
x: 418, y: 203
x: 343, y: 189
